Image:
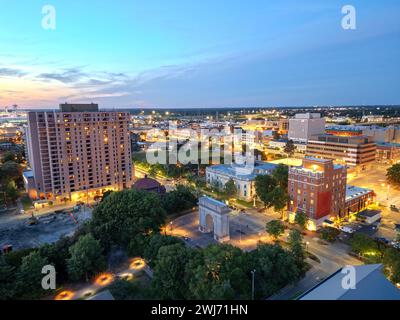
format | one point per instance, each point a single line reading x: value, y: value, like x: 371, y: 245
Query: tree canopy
x: 393, y: 174
x: 264, y: 185
x: 230, y: 188
x: 86, y: 258
x: 289, y: 148
x: 122, y: 215
x: 275, y: 228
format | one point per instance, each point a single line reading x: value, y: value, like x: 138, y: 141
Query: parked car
x: 346, y: 229
x: 382, y: 240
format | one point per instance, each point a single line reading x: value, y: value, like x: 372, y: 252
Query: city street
x: 386, y: 195
x: 248, y: 228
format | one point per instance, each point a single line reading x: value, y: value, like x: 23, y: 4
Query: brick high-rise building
x: 78, y: 152
x: 317, y: 188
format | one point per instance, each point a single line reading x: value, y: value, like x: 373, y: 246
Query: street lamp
x: 253, y: 272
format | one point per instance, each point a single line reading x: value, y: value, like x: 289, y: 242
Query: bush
x: 329, y: 234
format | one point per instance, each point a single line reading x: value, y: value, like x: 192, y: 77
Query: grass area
x: 247, y: 204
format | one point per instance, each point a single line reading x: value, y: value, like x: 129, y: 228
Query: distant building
x: 379, y: 134
x: 318, y: 189
x: 388, y: 152
x: 243, y: 177
x: 355, y: 151
x: 78, y: 152
x: 305, y: 125
x: 369, y: 284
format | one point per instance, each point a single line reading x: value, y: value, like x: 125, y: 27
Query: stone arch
x: 214, y: 217
x: 209, y: 223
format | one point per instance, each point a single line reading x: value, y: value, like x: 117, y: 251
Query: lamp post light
x: 253, y: 272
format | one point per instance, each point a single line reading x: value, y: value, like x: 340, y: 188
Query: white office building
x: 243, y: 177
x: 304, y: 125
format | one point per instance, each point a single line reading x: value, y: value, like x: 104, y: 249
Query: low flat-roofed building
x: 370, y: 284
x: 370, y: 216
x: 357, y: 198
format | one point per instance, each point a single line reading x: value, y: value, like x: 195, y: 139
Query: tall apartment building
x: 317, y: 188
x: 358, y: 152
x: 305, y: 125
x: 78, y: 152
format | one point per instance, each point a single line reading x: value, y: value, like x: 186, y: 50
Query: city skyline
x: 185, y: 55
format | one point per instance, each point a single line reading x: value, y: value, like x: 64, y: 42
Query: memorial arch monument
x: 214, y: 217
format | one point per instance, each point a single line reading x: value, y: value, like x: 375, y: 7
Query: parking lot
x: 49, y: 228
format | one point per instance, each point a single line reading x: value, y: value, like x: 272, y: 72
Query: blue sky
x: 220, y: 53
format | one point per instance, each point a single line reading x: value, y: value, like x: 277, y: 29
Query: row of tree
x: 216, y: 272
x: 372, y: 251
x: 10, y: 177
x: 116, y: 221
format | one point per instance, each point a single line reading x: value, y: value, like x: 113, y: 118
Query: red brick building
x: 317, y: 188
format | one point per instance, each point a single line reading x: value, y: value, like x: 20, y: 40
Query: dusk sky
x: 208, y: 53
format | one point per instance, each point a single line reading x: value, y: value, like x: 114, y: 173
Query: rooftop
x: 370, y: 284
x: 213, y: 201
x: 243, y: 172
x: 354, y: 192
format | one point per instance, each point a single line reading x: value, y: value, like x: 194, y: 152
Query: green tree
x: 275, y: 228
x: 155, y: 242
x: 137, y: 245
x: 264, y: 185
x: 106, y: 194
x: 169, y: 271
x: 279, y: 198
x: 11, y: 191
x: 124, y: 214
x: 7, y: 280
x: 289, y: 148
x: 230, y: 188
x: 29, y: 276
x: 8, y: 156
x: 86, y: 258
x: 10, y: 170
x: 57, y: 254
x: 296, y: 247
x: 281, y: 175
x: 218, y: 272
x: 178, y: 200
x: 364, y: 245
x: 301, y: 219
x: 275, y: 268
x: 393, y: 174
x: 391, y: 262
x: 329, y: 234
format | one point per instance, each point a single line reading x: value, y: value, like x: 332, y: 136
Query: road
x: 248, y: 229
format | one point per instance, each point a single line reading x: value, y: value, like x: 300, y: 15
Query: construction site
x: 35, y: 231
